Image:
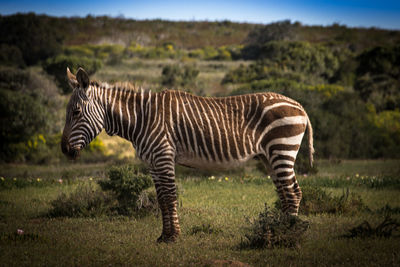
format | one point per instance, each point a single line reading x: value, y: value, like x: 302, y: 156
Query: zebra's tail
x: 310, y: 141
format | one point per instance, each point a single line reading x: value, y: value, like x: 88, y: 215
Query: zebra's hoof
x: 167, y: 238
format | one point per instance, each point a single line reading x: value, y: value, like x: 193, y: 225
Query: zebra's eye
x: 76, y: 112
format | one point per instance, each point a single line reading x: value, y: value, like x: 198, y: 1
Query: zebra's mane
x: 123, y: 86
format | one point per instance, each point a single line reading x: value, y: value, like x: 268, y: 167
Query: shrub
x: 36, y: 36
x: 12, y: 78
x: 128, y: 185
x: 275, y: 229
x: 197, y: 53
x: 315, y: 200
x: 277, y: 31
x: 210, y: 52
x: 26, y: 92
x: 386, y: 229
x: 57, y: 66
x: 79, y: 50
x: 223, y: 54
x: 17, y: 123
x: 10, y: 55
x: 174, y: 75
x: 97, y: 145
x: 316, y: 61
x: 85, y: 201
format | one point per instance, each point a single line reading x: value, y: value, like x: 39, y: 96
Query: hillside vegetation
x: 348, y: 79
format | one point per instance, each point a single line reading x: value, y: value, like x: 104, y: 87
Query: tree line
x: 348, y: 79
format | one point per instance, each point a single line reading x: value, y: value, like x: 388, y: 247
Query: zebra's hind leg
x: 286, y: 183
x: 164, y: 180
x: 278, y: 186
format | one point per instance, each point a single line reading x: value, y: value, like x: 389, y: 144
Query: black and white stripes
x: 173, y: 127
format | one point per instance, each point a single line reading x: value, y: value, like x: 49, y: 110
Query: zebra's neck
x: 125, y: 111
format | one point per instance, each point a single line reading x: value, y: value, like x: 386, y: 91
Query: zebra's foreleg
x: 167, y: 200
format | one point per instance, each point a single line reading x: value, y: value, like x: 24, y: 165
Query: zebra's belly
x: 204, y: 164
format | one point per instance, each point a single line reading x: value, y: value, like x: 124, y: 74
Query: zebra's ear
x: 83, y: 79
x: 72, y: 79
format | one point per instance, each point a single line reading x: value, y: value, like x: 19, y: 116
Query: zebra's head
x: 84, y: 120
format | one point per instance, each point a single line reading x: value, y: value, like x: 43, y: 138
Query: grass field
x: 214, y: 214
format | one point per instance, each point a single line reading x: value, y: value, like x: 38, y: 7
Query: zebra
x: 174, y: 127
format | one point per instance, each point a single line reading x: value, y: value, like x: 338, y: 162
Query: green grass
x: 214, y: 214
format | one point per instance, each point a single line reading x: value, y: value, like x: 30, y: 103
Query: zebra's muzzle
x: 71, y: 152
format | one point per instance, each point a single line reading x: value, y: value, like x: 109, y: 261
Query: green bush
x: 80, y: 51
x: 275, y: 229
x: 303, y: 57
x: 85, y: 201
x: 196, y: 53
x: 128, y: 185
x: 10, y: 55
x: 210, y: 52
x: 57, y: 67
x: 223, y: 54
x: 174, y: 75
x: 36, y: 37
x: 13, y: 79
x: 278, y: 31
x: 17, y: 123
x: 23, y: 93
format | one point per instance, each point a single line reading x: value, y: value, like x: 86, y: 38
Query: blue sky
x: 382, y: 14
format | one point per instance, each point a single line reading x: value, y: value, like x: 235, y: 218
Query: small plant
x: 275, y: 229
x: 386, y: 229
x: 388, y: 210
x: 315, y: 200
x: 147, y: 201
x: 85, y: 201
x: 204, y: 228
x: 128, y: 185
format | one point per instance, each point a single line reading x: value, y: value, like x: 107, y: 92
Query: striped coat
x: 173, y: 127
